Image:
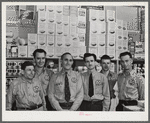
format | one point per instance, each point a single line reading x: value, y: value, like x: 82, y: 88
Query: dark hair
x: 40, y: 51
x: 88, y: 55
x: 66, y: 53
x: 105, y: 57
x: 124, y: 54
x: 25, y: 64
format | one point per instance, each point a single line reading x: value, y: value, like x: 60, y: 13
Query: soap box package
x: 32, y: 39
x: 22, y: 51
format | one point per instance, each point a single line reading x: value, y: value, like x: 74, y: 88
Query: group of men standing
x: 38, y: 88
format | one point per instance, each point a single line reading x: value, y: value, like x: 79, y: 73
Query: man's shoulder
x: 16, y: 81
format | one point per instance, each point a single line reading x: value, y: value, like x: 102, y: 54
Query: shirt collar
x: 26, y: 80
x: 68, y: 73
x: 38, y: 72
x: 130, y: 73
x: 93, y: 72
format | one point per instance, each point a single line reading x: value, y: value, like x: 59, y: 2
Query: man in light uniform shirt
x: 96, y: 94
x: 130, y: 85
x: 26, y: 91
x: 65, y: 90
x: 42, y: 73
x: 112, y: 79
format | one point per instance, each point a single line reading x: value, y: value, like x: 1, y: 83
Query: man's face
x: 126, y: 62
x: 105, y: 63
x: 29, y: 72
x: 67, y: 62
x: 90, y: 62
x: 40, y: 59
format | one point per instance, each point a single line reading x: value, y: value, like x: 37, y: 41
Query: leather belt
x: 93, y: 101
x: 31, y: 107
x: 69, y: 104
x: 128, y: 102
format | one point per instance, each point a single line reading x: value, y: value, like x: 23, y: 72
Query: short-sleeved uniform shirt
x: 44, y: 77
x: 131, y: 86
x: 101, y: 88
x: 25, y: 93
x: 56, y: 92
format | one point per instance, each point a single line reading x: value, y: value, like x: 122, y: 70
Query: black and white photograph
x: 75, y: 61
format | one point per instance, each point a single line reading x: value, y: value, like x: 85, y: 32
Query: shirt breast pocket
x: 98, y: 86
x: 59, y: 87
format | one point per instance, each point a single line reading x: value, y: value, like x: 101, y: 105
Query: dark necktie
x: 67, y: 90
x: 91, y: 85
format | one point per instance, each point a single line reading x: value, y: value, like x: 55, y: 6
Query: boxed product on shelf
x: 40, y: 8
x: 119, y: 24
x: 42, y: 28
x: 50, y: 8
x: 8, y: 50
x: 59, y: 9
x: 59, y: 29
x: 75, y: 52
x: 124, y: 25
x: 42, y: 39
x: 66, y: 30
x: 73, y: 20
x: 66, y: 10
x: 93, y: 40
x: 81, y: 18
x: 66, y: 19
x: 101, y: 51
x: 111, y: 40
x: 32, y: 39
x: 50, y: 40
x: 51, y: 17
x: 59, y: 42
x: 110, y: 50
x: 11, y: 7
x: 101, y: 39
x: 93, y: 27
x: 59, y: 51
x: 73, y: 29
x: 101, y: 27
x: 110, y: 16
x: 125, y: 35
x: 14, y: 51
x: 74, y: 40
x: 51, y: 28
x: 82, y: 50
x: 93, y: 50
x: 11, y: 16
x: 81, y: 38
x: 93, y: 15
x: 119, y: 44
x: 125, y: 45
x: 22, y: 51
x: 117, y: 53
x: 101, y: 15
x: 31, y: 49
x: 58, y: 18
x: 67, y: 41
x: 111, y: 27
x: 42, y: 16
x: 119, y: 34
x: 50, y: 51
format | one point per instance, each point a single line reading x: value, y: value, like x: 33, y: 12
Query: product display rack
x: 77, y: 62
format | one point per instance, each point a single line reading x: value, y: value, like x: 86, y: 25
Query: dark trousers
x: 126, y: 103
x: 91, y: 105
x: 48, y: 104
